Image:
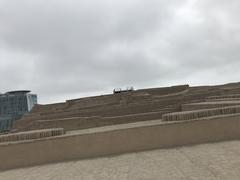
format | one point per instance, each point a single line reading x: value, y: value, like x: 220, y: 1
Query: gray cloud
x: 64, y: 49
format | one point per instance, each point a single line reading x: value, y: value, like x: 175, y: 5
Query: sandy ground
x: 217, y: 161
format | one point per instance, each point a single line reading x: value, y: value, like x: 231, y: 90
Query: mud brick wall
x: 28, y: 135
x: 189, y: 115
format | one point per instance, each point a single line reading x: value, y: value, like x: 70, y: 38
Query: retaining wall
x: 28, y: 135
x: 225, y: 96
x: 208, y: 105
x: 222, y: 99
x: 118, y: 139
x: 189, y: 115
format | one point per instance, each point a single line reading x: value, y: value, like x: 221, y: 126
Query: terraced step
x: 109, y: 111
x: 224, y: 96
x: 208, y: 105
x: 189, y: 115
x: 222, y: 99
x: 76, y: 123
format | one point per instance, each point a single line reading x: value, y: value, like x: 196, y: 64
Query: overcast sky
x: 63, y: 49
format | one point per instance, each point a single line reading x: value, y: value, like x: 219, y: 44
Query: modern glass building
x: 13, y: 105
